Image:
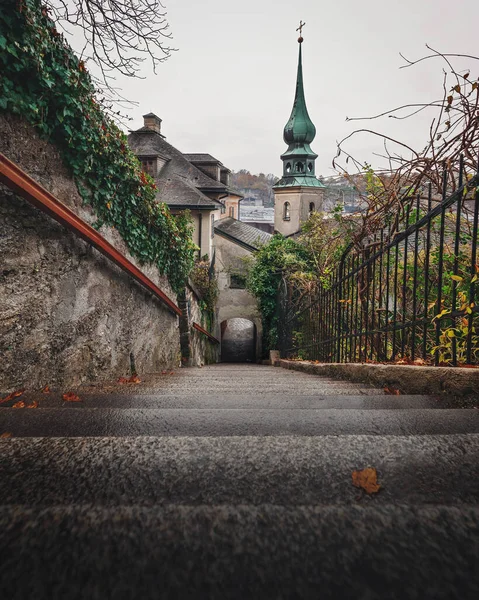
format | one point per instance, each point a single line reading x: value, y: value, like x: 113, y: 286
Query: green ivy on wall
x: 42, y: 80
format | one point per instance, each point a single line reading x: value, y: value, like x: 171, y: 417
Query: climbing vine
x: 206, y: 282
x: 42, y: 80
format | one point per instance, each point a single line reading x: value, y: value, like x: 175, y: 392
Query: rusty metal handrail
x: 17, y: 180
x: 204, y: 332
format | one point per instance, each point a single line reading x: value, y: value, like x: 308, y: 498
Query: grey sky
x: 229, y: 89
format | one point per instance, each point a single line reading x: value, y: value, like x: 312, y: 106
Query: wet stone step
x: 248, y: 401
x: 58, y: 422
x: 237, y: 552
x: 238, y: 470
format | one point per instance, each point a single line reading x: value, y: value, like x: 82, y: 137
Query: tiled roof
x: 201, y: 158
x: 178, y: 192
x: 241, y: 233
x: 146, y: 142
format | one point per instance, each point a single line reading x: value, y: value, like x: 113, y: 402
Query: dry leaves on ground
x: 71, y: 397
x: 46, y: 390
x: 21, y: 404
x: 133, y: 379
x: 367, y: 479
x: 392, y: 391
x: 15, y: 394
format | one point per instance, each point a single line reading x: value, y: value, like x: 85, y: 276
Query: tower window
x: 310, y: 167
x: 312, y: 208
x: 299, y: 167
x: 288, y: 167
x: 286, y: 211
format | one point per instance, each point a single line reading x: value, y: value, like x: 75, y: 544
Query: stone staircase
x: 234, y: 481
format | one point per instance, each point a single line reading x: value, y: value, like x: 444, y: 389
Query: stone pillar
x: 185, y: 331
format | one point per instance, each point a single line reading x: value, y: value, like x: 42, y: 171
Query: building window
x: 232, y: 211
x: 237, y: 281
x: 223, y: 209
x: 312, y: 208
x: 212, y: 225
x: 286, y: 211
x: 149, y: 167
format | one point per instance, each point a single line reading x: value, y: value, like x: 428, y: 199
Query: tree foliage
x: 279, y: 259
x: 119, y: 35
x: 453, y: 131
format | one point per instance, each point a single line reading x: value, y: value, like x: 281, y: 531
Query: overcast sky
x: 230, y: 87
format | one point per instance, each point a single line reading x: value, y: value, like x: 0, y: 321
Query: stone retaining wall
x: 407, y: 379
x: 67, y: 314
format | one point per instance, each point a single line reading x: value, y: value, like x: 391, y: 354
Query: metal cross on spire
x: 300, y: 28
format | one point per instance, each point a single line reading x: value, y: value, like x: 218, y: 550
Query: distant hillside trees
x: 255, y: 186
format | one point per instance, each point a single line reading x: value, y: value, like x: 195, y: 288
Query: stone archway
x: 238, y: 340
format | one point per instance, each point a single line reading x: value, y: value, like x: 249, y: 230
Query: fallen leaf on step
x: 7, y: 434
x: 392, y: 391
x: 46, y: 390
x: 164, y: 372
x: 34, y: 404
x: 19, y: 404
x: 71, y: 397
x: 172, y: 372
x: 133, y: 379
x: 367, y: 479
x: 13, y: 395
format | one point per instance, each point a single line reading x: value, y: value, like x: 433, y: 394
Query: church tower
x: 298, y: 193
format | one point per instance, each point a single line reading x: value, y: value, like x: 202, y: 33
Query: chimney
x: 151, y: 121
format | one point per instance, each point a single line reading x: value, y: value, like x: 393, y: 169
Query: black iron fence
x: 409, y: 292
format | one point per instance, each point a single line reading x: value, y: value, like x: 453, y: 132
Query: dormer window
x: 286, y: 211
x: 150, y: 166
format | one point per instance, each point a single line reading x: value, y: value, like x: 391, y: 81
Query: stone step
x: 284, y: 471
x: 236, y: 552
x: 237, y: 401
x: 58, y: 422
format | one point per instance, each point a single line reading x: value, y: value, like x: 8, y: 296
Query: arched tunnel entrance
x: 238, y: 340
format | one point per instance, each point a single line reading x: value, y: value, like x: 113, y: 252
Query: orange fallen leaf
x: 392, y: 391
x: 133, y: 379
x: 34, y: 404
x: 172, y: 372
x: 13, y: 395
x: 71, y: 397
x: 367, y: 479
x: 7, y: 434
x: 164, y: 372
x: 46, y: 389
x: 19, y: 404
